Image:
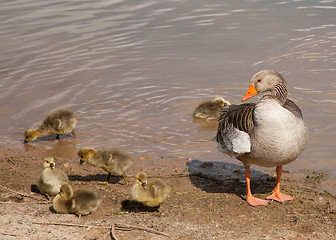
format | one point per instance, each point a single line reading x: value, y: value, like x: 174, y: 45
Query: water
x: 137, y: 69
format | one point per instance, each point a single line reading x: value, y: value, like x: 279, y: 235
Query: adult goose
x: 269, y: 133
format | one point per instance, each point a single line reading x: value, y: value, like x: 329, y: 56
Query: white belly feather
x: 279, y: 138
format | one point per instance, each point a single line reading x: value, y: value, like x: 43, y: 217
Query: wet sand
x: 207, y: 201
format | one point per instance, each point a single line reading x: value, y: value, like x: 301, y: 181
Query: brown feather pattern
x: 237, y: 116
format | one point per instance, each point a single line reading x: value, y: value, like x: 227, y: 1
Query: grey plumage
x: 241, y: 118
x: 269, y: 133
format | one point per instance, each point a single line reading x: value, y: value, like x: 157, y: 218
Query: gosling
x: 211, y: 110
x: 51, y: 179
x: 112, y: 160
x: 62, y: 121
x: 80, y: 202
x: 151, y: 193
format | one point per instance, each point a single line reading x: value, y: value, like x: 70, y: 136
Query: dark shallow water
x: 137, y: 69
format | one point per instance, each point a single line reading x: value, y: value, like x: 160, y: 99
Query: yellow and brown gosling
x: 51, y: 179
x: 79, y: 202
x: 150, y: 193
x: 112, y: 160
x: 211, y: 110
x: 62, y: 121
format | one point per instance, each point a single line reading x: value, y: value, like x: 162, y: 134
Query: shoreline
x: 207, y: 202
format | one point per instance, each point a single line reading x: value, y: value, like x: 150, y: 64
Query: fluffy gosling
x: 51, y: 179
x: 62, y: 121
x: 112, y: 160
x: 80, y: 202
x: 211, y: 110
x: 150, y: 193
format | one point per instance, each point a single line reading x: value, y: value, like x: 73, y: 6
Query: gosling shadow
x: 222, y: 177
x: 50, y: 137
x: 34, y: 188
x: 51, y: 209
x: 134, y: 206
x: 96, y: 177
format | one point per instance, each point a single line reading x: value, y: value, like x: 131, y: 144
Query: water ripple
x: 137, y: 69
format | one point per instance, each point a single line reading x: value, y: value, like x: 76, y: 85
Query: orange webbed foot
x: 279, y: 197
x: 253, y: 201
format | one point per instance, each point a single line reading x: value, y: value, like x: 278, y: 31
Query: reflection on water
x: 136, y: 69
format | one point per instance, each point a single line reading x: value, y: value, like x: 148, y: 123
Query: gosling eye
x: 259, y: 80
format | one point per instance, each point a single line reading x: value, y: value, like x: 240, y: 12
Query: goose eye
x: 259, y: 80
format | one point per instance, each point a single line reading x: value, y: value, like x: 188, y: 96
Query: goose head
x: 263, y: 81
x: 66, y: 192
x: 141, y: 179
x: 49, y: 163
x: 85, y: 153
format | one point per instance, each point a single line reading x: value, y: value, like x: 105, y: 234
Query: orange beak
x: 250, y: 93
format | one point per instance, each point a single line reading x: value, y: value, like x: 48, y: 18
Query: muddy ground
x: 207, y: 201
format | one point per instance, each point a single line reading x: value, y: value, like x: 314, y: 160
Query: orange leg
x: 253, y: 201
x: 276, y: 194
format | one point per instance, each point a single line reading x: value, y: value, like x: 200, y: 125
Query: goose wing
x: 292, y: 107
x: 234, y: 129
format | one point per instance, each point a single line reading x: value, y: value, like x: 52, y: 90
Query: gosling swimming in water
x: 79, y: 202
x: 112, y: 160
x: 211, y: 110
x: 62, y: 121
x: 51, y: 179
x: 150, y: 193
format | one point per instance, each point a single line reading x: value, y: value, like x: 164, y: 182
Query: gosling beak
x: 52, y: 165
x: 81, y: 162
x: 144, y: 185
x: 25, y: 141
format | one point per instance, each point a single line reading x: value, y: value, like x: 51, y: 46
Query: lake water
x: 137, y: 69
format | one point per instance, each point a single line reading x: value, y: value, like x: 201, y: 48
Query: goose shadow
x: 96, y: 177
x: 134, y: 206
x: 222, y: 177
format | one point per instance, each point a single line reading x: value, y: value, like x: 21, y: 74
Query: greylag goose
x: 150, y: 193
x: 62, y: 121
x: 210, y: 110
x: 79, y: 202
x: 269, y: 133
x: 112, y: 160
x: 51, y: 179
